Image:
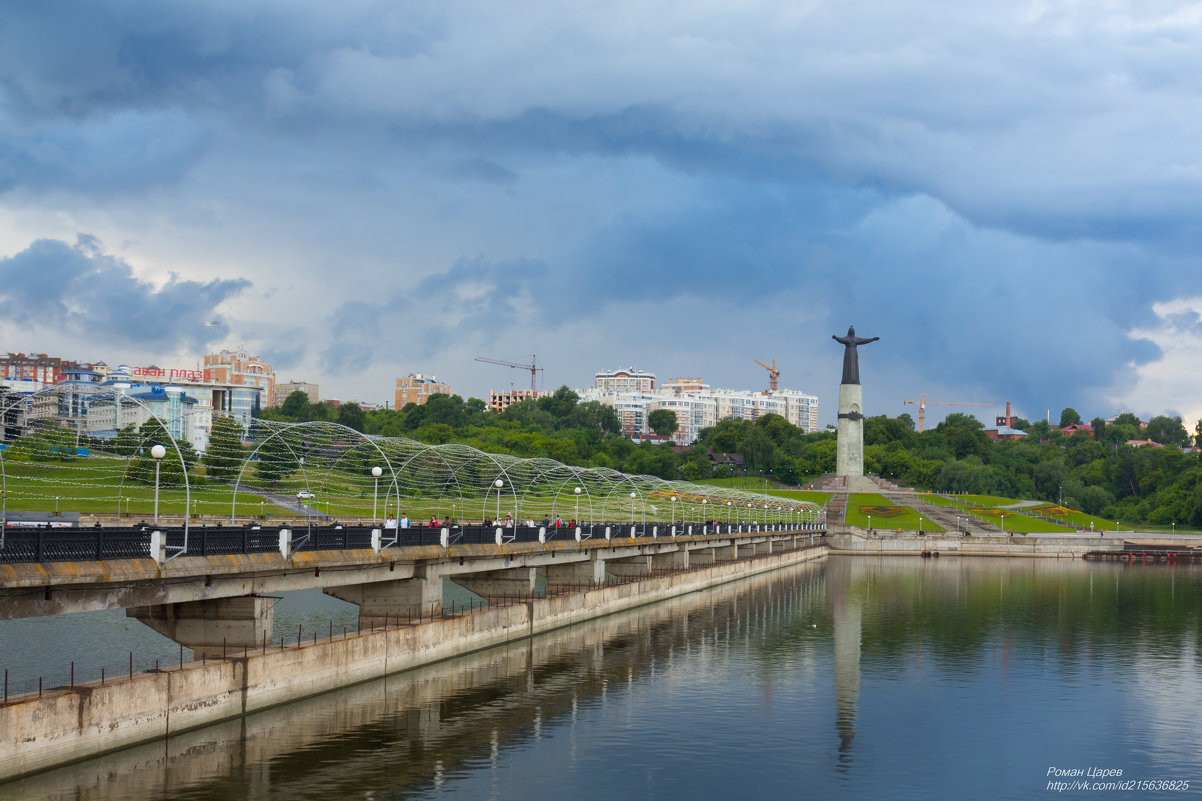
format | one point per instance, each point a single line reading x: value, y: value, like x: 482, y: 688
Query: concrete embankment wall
x: 70, y: 724
x: 855, y: 542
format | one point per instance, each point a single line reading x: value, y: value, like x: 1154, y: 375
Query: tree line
x: 1099, y: 474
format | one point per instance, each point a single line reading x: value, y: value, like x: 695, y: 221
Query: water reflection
x: 855, y: 677
x: 412, y: 733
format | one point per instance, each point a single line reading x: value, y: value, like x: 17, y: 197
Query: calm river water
x: 890, y: 678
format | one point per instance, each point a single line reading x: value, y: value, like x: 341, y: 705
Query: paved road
x: 287, y: 502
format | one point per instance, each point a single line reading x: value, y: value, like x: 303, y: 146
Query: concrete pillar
x: 727, y: 554
x: 574, y: 575
x: 849, y: 446
x: 672, y: 560
x: 699, y: 557
x: 761, y: 548
x: 633, y: 567
x: 211, y: 626
x: 385, y: 602
x: 517, y: 582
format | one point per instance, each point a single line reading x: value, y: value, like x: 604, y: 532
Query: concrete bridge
x: 217, y: 596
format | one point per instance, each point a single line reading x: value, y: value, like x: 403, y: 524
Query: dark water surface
x: 856, y: 677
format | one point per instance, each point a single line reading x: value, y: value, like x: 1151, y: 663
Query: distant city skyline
x: 1005, y: 194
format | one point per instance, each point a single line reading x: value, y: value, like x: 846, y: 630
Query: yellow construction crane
x: 922, y: 404
x: 773, y: 373
x: 532, y: 367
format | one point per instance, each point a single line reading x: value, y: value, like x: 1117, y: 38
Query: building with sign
x: 237, y: 368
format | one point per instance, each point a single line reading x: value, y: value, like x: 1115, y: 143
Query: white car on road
x: 305, y: 495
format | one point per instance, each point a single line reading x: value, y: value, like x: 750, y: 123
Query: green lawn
x: 897, y: 517
x: 813, y: 496
x: 1016, y: 522
x: 988, y: 500
x: 96, y: 485
x: 1075, y: 519
x: 749, y: 483
x: 934, y: 500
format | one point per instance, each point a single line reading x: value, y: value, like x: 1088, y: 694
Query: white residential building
x: 633, y: 396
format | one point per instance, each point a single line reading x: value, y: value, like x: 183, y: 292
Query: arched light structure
x: 277, y: 460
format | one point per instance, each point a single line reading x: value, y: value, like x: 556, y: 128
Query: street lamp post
x: 498, y: 484
x: 632, y: 517
x: 376, y: 472
x: 870, y: 522
x: 158, y: 452
x: 673, y: 510
x: 701, y: 513
x: 578, y: 490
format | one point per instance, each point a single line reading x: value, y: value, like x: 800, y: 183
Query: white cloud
x: 1172, y: 383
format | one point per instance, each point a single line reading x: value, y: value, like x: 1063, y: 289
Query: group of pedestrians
x: 393, y: 523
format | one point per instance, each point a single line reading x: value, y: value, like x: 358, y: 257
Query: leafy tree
x: 294, y: 405
x: 352, y: 416
x: 1069, y: 417
x: 225, y: 452
x: 1167, y: 431
x: 127, y: 441
x: 560, y: 404
x: 49, y: 445
x: 598, y: 416
x: 275, y: 460
x: 179, y: 458
x: 663, y: 422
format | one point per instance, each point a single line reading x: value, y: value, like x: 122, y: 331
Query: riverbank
x: 847, y: 540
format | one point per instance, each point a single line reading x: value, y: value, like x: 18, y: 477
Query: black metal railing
x: 97, y: 544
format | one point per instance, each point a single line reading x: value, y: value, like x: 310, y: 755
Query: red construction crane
x: 922, y: 404
x: 532, y: 367
x: 773, y: 373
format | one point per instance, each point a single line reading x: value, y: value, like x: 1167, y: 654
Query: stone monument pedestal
x: 849, y: 454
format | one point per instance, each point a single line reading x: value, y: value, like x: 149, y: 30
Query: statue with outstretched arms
x: 851, y: 362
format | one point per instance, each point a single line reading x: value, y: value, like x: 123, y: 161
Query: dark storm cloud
x: 1004, y: 189
x: 1033, y: 129
x: 54, y: 287
x: 466, y: 302
x: 1020, y: 317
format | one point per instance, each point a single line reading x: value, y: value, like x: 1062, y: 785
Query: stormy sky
x: 1007, y: 194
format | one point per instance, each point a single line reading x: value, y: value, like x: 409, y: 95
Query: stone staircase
x: 947, y: 517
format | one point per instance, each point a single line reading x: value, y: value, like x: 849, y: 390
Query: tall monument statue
x: 849, y: 453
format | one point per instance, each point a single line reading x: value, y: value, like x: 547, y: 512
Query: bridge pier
x: 727, y: 553
x: 762, y: 548
x: 516, y: 582
x: 629, y: 568
x: 382, y: 602
x: 671, y: 560
x: 574, y: 574
x: 213, y: 626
